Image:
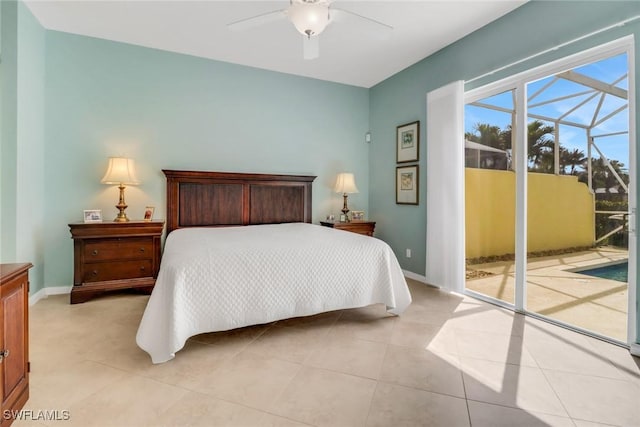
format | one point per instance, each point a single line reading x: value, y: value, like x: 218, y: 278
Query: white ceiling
x: 351, y: 51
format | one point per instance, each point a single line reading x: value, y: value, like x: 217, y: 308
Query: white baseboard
x: 45, y: 292
x: 37, y: 296
x: 418, y: 277
x: 635, y: 349
x: 414, y: 276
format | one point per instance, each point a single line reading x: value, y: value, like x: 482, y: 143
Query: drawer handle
x: 95, y: 252
x: 94, y: 272
x: 3, y: 354
x: 142, y: 268
x: 141, y: 249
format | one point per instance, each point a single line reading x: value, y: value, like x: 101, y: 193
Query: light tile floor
x: 448, y: 361
x: 553, y: 290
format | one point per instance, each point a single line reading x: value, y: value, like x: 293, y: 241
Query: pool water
x: 613, y: 272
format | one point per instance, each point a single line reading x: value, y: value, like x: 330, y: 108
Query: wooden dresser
x: 14, y: 338
x: 355, y: 226
x: 114, y: 255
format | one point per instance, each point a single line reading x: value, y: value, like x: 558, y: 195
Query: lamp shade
x: 309, y: 18
x: 346, y: 183
x: 120, y: 171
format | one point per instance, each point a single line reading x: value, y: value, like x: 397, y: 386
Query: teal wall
x: 23, y: 56
x: 402, y: 98
x: 172, y: 111
x: 8, y: 131
x: 31, y: 207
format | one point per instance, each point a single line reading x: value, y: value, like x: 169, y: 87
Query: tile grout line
x: 375, y: 390
x: 555, y: 392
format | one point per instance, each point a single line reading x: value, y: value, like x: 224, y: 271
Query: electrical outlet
x: 408, y: 254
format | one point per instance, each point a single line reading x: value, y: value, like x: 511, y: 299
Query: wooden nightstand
x: 355, y: 226
x: 114, y: 255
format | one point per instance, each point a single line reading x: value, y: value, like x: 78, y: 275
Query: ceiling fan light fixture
x: 310, y: 19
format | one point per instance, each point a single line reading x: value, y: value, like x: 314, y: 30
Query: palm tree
x: 539, y: 146
x: 488, y: 135
x: 546, y: 163
x: 611, y: 180
x: 602, y: 176
x: 572, y: 159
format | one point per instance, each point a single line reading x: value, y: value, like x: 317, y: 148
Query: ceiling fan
x: 310, y: 17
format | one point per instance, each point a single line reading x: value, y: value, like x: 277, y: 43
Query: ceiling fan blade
x: 341, y: 14
x: 256, y: 21
x: 310, y: 47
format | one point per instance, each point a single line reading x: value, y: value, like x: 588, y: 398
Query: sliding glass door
x: 548, y: 209
x: 578, y: 197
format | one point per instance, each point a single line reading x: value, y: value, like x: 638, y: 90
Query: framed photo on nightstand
x: 357, y: 215
x: 148, y: 213
x: 92, y: 215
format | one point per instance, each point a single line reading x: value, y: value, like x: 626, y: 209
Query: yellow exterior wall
x: 490, y: 212
x: 560, y: 212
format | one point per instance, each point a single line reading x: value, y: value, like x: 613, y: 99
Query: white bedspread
x: 216, y: 279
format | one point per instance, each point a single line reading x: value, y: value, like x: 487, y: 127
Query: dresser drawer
x: 108, y: 249
x: 102, y: 271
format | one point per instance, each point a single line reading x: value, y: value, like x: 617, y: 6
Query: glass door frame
x: 518, y: 83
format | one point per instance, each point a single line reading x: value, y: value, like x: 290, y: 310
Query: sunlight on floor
x: 553, y: 290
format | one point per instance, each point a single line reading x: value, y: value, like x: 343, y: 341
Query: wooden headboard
x: 209, y: 199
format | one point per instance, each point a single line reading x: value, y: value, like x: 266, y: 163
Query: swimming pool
x: 613, y: 271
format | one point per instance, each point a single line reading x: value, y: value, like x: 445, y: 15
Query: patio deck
x: 598, y: 305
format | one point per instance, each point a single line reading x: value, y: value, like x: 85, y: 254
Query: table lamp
x: 120, y: 171
x: 345, y: 184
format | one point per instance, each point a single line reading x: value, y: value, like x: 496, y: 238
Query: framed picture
x: 408, y: 142
x: 148, y: 213
x: 357, y: 215
x: 92, y: 215
x: 407, y: 185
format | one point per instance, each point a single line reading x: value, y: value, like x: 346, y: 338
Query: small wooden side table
x: 114, y: 255
x: 355, y: 226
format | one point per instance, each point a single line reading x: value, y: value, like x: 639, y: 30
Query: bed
x: 241, y: 251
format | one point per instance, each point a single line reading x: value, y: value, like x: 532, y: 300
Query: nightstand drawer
x: 108, y: 249
x: 355, y: 226
x: 102, y: 271
x: 365, y: 228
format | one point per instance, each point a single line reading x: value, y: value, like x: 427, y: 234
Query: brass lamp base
x: 122, y: 217
x: 345, y: 208
x: 121, y: 206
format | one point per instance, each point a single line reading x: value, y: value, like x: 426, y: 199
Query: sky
x: 611, y: 70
